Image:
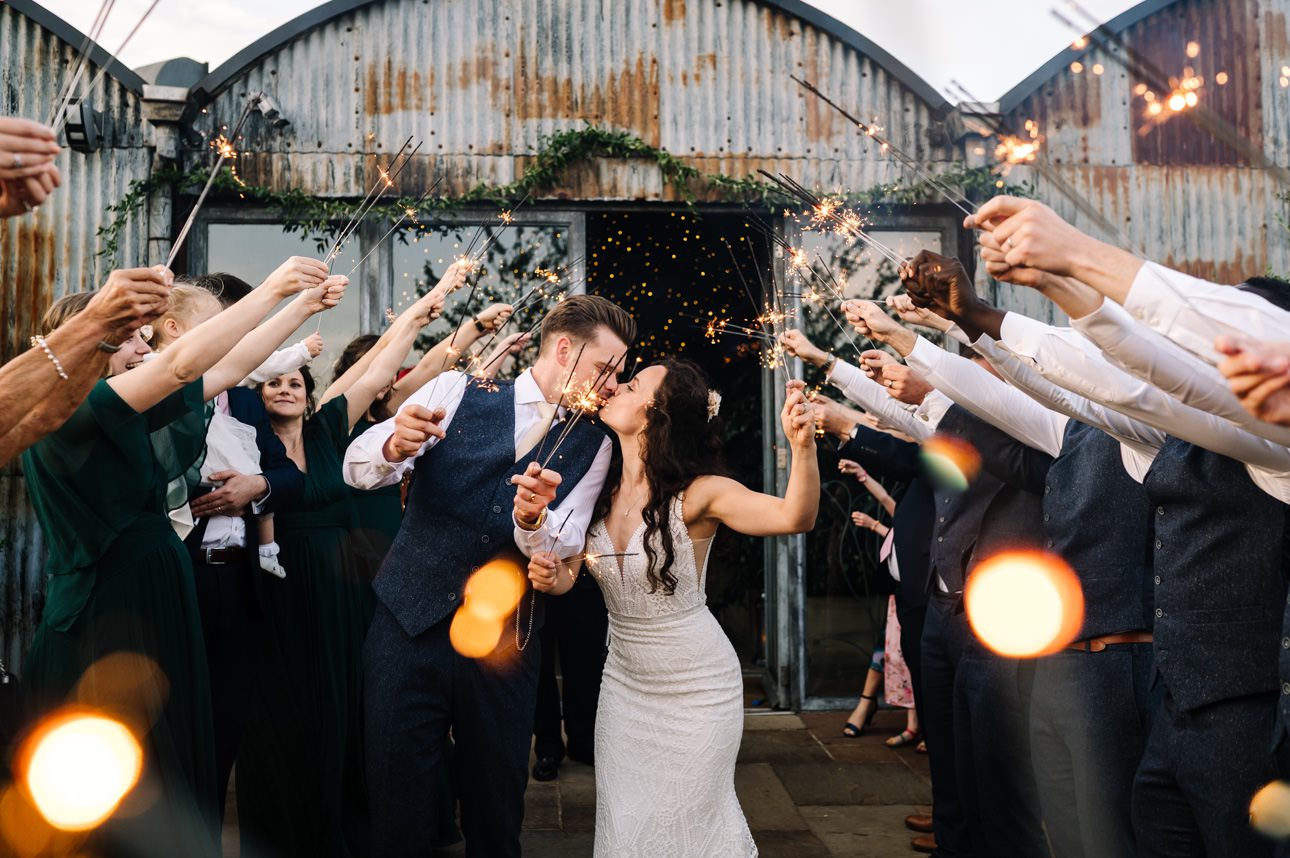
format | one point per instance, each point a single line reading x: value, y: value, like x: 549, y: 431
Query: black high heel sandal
x: 851, y: 731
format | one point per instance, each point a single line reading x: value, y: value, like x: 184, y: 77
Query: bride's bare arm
x: 721, y: 500
x: 553, y: 575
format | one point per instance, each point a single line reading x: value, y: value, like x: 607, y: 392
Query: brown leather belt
x: 1100, y: 643
x: 220, y: 556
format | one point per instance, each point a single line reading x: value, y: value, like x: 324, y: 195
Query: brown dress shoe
x: 920, y: 822
x: 923, y: 843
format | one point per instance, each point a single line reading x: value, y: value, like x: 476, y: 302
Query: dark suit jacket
x: 892, y: 459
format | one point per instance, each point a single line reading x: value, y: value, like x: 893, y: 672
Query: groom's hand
x: 544, y: 570
x: 413, y: 427
x: 534, y: 492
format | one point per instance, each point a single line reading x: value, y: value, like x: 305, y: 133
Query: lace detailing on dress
x: 670, y: 717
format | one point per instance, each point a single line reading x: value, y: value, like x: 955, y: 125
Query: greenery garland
x: 321, y: 218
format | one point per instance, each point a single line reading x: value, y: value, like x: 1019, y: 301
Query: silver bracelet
x: 49, y: 353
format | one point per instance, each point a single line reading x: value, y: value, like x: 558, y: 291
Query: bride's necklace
x: 635, y: 499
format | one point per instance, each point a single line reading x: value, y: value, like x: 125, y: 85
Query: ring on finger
x: 532, y: 496
x: 17, y: 161
x: 1007, y: 244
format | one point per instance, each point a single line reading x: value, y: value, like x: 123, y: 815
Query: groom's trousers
x: 415, y: 689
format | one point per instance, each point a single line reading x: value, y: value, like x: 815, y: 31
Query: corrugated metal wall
x: 1179, y: 195
x: 482, y: 80
x: 48, y: 254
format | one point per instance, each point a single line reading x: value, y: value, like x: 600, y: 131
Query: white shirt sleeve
x: 365, y: 466
x: 1139, y: 443
x: 565, y: 529
x: 279, y: 363
x: 1170, y: 367
x: 1192, y: 312
x: 873, y: 397
x: 994, y: 401
x: 1097, y: 379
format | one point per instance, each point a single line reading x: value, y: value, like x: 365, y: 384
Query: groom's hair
x: 578, y: 317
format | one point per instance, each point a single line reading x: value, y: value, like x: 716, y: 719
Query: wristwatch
x: 480, y: 326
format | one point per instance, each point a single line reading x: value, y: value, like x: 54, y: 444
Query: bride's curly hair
x: 680, y: 443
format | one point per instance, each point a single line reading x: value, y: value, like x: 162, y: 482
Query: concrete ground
x: 807, y: 791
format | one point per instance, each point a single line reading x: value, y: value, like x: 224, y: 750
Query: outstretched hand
x: 1259, y: 375
x: 797, y: 344
x: 912, y: 314
x: 534, y: 492
x: 414, y: 426
x: 798, y: 417
x: 871, y: 320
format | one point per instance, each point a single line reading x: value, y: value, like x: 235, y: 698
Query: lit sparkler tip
x: 389, y: 315
x: 507, y: 217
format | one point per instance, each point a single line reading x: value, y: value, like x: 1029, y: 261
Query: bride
x: 670, y: 717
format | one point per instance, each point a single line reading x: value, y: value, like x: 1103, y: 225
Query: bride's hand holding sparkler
x: 796, y: 344
x: 534, y: 491
x: 544, y: 573
x: 295, y: 275
x: 798, y: 417
x: 414, y: 425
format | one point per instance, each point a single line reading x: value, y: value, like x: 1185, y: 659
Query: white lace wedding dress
x: 671, y: 716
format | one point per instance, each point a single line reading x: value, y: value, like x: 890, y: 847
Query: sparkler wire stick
x: 564, y: 391
x: 955, y: 198
x: 409, y: 212
x: 600, y: 378
x: 82, y: 61
x: 799, y: 191
x: 387, y: 178
x: 103, y: 71
x: 224, y: 152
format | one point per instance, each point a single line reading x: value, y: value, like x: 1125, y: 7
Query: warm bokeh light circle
x: 952, y: 462
x: 1024, y: 604
x: 78, y: 766
x: 474, y: 636
x: 1270, y: 810
x: 494, y: 591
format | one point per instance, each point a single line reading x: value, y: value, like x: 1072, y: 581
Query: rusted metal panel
x: 52, y: 252
x: 483, y: 82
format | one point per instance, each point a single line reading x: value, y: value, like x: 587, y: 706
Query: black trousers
x: 575, y: 628
x: 415, y: 690
x: 1089, y: 719
x: 911, y: 619
x: 231, y: 627
x: 992, y: 747
x: 1191, y: 796
x: 944, y: 637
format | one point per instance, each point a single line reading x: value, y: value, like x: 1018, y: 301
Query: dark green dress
x: 121, y: 582
x: 299, y: 772
x: 380, y: 511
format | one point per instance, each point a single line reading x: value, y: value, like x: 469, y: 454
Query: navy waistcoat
x: 1219, y: 587
x: 458, y: 514
x: 1099, y: 520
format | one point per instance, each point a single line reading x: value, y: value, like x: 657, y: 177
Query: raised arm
x: 430, y: 304
x: 252, y: 350
x: 443, y: 356
x: 875, y: 488
x: 721, y: 500
x: 34, y: 399
x: 201, y: 348
x: 364, y: 389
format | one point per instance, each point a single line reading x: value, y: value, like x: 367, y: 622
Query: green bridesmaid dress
x: 299, y: 773
x: 120, y: 584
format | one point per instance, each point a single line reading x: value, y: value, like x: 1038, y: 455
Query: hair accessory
x: 714, y: 404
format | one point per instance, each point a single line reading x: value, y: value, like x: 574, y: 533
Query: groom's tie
x: 536, y: 432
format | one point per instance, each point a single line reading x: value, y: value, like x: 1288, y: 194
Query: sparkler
x: 564, y: 391
x: 82, y: 61
x: 954, y: 197
x: 385, y: 179
x: 586, y: 400
x: 408, y: 213
x: 225, y: 151
x: 62, y: 110
x: 832, y: 212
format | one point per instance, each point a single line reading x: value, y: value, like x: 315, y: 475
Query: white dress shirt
x: 279, y: 363
x: 1168, y: 366
x: 918, y: 422
x: 365, y: 465
x: 1192, y: 312
x: 1069, y: 364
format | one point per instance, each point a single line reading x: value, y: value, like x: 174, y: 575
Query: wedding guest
x: 28, y: 174
x: 120, y: 579
x: 300, y: 776
x: 41, y: 388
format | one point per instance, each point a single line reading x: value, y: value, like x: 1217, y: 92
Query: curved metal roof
x: 69, y: 34
x: 1063, y: 59
x: 229, y: 70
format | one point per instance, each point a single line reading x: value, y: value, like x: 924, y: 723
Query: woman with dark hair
x: 299, y: 777
x: 670, y: 716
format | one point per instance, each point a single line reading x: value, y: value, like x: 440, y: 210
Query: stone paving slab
x: 781, y: 747
x: 791, y: 844
x: 766, y: 804
x: 849, y: 783
x: 862, y: 832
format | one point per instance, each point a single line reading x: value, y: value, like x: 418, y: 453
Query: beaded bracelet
x: 49, y: 353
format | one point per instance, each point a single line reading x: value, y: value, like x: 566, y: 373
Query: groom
x: 469, y: 448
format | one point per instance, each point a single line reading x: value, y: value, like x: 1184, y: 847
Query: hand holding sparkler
x: 314, y: 344
x: 1259, y: 374
x: 911, y: 314
x: 128, y: 300
x: 544, y: 572
x: 798, y: 417
x: 510, y: 345
x: 939, y: 283
x: 870, y: 320
x: 492, y: 317
x: 834, y: 418
x: 414, y: 426
x: 323, y: 297
x: 905, y: 385
x: 798, y: 345
x: 28, y: 174
x: 295, y: 275
x: 534, y: 491
x: 874, y: 362
x: 1032, y: 235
